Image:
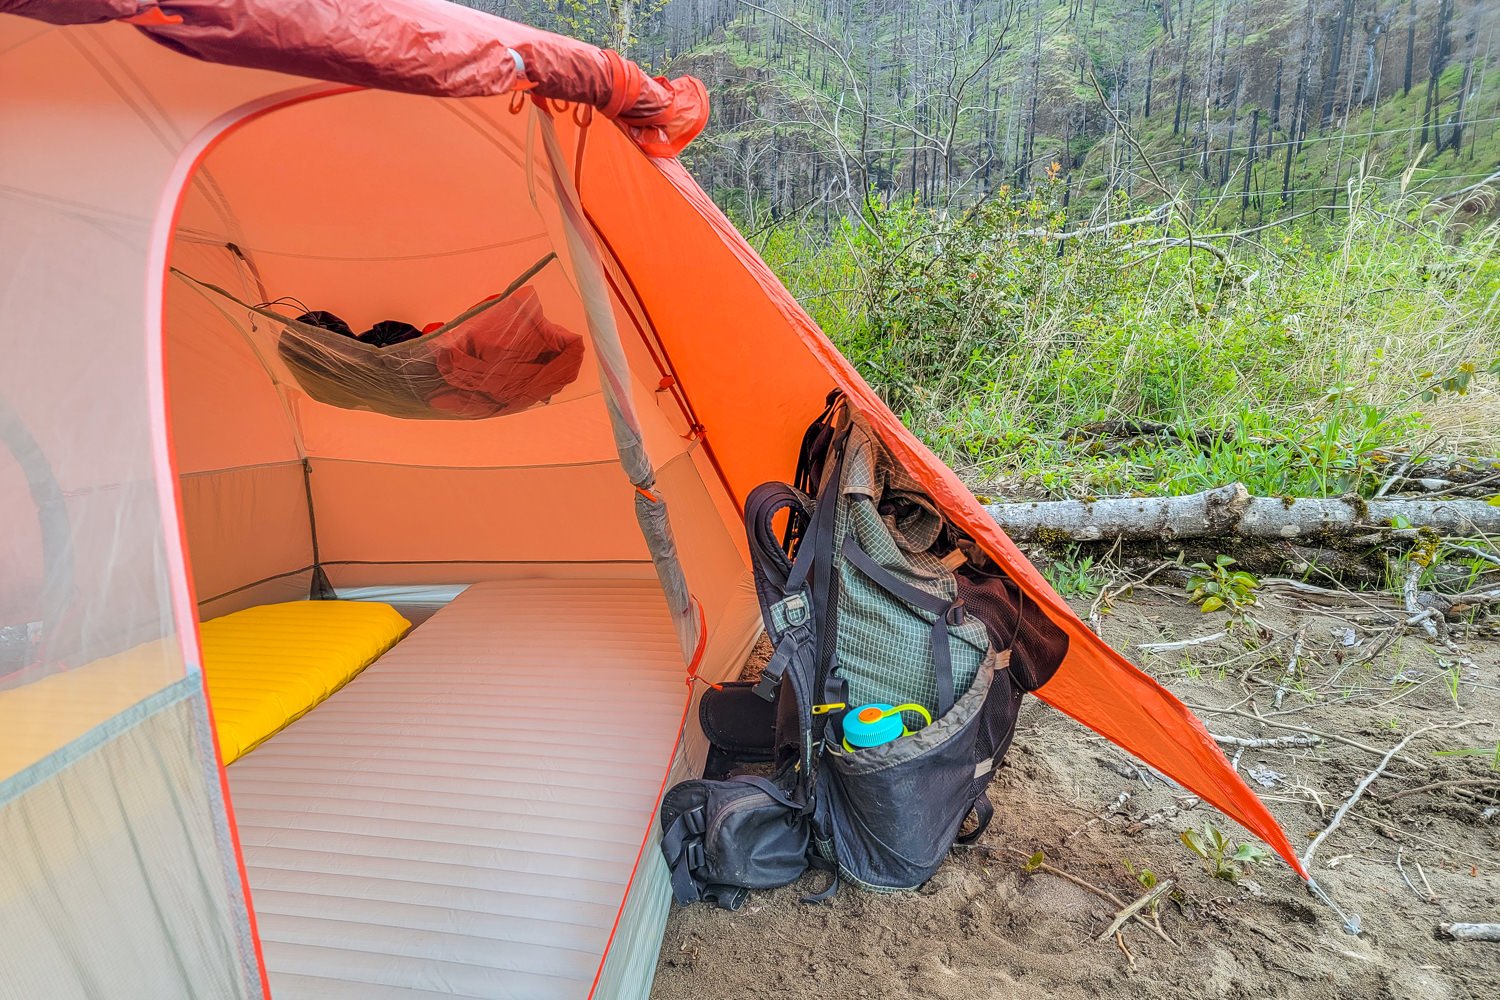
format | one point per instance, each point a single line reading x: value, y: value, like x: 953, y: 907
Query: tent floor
x: 464, y: 818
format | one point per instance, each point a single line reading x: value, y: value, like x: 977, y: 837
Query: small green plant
x: 1145, y: 876
x: 1075, y: 577
x: 1225, y: 859
x: 1216, y: 587
x: 1454, y: 676
x: 1492, y: 753
x: 1456, y: 383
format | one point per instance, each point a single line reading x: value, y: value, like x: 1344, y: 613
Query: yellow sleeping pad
x: 266, y: 667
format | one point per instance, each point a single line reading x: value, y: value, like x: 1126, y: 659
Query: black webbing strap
x: 984, y: 811
x: 941, y: 610
x: 826, y: 894
x: 828, y: 686
x: 792, y: 579
x: 819, y: 532
x: 815, y: 860
x: 770, y: 787
x: 726, y: 897
x: 761, y: 507
x: 810, y: 459
x: 677, y: 842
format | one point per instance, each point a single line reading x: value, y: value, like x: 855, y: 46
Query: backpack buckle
x: 791, y: 611
x: 693, y: 821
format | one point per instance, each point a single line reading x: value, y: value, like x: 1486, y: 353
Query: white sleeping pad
x: 464, y: 818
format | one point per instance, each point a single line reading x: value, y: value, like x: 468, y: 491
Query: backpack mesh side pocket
x: 896, y: 809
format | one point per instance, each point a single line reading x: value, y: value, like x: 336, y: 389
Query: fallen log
x: 1447, y: 474
x: 1232, y: 511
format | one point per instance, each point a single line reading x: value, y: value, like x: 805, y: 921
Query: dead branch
x: 1156, y: 892
x: 1151, y: 218
x: 1232, y: 511
x: 1170, y: 242
x: 1292, y: 664
x: 1334, y: 737
x: 1470, y: 932
x: 1268, y: 742
x: 1368, y: 780
x: 1326, y: 595
x: 1433, y: 786
x: 1481, y: 191
x: 1172, y: 647
x: 1423, y: 613
x: 1450, y: 474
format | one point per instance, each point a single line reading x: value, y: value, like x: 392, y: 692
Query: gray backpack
x: 864, y: 597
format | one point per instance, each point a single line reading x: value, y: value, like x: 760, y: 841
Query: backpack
x: 868, y: 596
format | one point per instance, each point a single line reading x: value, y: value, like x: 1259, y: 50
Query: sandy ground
x: 983, y: 927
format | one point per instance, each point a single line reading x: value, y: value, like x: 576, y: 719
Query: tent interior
x: 467, y: 814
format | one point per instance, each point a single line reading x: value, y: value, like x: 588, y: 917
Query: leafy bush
x: 1298, y: 349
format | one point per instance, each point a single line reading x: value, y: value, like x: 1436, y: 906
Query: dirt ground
x: 983, y: 927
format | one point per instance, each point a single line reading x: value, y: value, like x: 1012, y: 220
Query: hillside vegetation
x: 1294, y: 351
x: 1247, y: 107
x: 1265, y: 223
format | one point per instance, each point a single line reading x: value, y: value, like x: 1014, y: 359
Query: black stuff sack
x: 722, y: 838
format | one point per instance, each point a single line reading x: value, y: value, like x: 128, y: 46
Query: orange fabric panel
x: 745, y: 370
x: 390, y: 513
x: 425, y: 47
x: 225, y: 410
x: 705, y: 541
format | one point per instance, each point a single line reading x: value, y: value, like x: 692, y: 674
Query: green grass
x: 1312, y: 345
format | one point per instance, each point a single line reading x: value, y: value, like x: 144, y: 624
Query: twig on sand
x: 1427, y: 897
x: 1399, y: 834
x: 1170, y: 812
x: 1434, y: 785
x: 1334, y: 737
x: 1369, y: 779
x: 1426, y: 884
x: 1109, y: 810
x: 1259, y: 652
x: 1170, y: 647
x: 1291, y: 668
x: 1120, y: 943
x: 1470, y: 932
x: 1103, y: 894
x: 1118, y: 587
x: 1269, y: 742
x: 1126, y: 912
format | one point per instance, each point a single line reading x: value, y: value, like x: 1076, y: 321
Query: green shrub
x: 1304, y: 348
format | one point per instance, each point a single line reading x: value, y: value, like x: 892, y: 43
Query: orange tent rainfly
x: 202, y: 205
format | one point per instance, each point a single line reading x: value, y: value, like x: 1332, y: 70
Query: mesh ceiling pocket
x: 500, y: 356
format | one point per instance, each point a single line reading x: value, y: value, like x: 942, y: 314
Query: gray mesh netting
x: 498, y: 357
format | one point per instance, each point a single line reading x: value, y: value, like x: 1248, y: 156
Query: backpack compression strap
x: 943, y: 612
